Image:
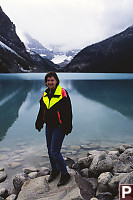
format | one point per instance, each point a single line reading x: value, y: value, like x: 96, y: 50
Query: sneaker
x: 53, y: 175
x: 64, y: 179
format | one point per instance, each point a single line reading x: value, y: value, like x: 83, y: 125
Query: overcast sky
x: 71, y: 23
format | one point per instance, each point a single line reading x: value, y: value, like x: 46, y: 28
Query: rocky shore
x: 95, y: 175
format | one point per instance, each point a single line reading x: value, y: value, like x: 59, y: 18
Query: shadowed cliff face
x: 14, y: 57
x: 113, y: 55
x: 117, y: 95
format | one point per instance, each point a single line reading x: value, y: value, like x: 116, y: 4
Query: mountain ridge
x: 112, y: 55
x: 54, y: 53
x: 14, y: 57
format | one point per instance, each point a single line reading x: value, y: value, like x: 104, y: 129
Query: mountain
x: 56, y: 54
x: 113, y: 55
x: 62, y: 58
x: 36, y: 46
x: 14, y: 58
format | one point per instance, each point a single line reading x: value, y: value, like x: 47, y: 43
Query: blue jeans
x: 54, y: 138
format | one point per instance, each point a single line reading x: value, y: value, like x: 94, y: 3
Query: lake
x: 102, y: 115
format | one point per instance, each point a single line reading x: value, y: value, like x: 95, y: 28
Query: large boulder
x: 39, y: 188
x: 101, y: 163
x: 114, y: 183
x: 85, y: 162
x: 103, y: 181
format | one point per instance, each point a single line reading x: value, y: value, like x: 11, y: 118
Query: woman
x: 56, y: 112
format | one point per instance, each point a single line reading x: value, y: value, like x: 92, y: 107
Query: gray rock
x: 113, y: 157
x: 86, y: 188
x: 3, y: 176
x: 33, y: 175
x: 128, y: 179
x: 1, y: 169
x: 11, y: 197
x: 69, y: 162
x: 85, y: 162
x: 127, y: 146
x: 85, y: 172
x: 116, y: 153
x: 14, y: 165
x: 75, y: 147
x: 102, y: 188
x: 101, y: 163
x: 39, y: 188
x: 95, y: 153
x: 121, y: 167
x: 93, y: 181
x: 129, y: 151
x: 103, y: 181
x: 29, y: 170
x: 121, y: 149
x: 105, y: 196
x: 3, y: 192
x: 73, y: 195
x: 114, y: 183
x: 85, y: 146
x: 105, y: 178
x: 18, y: 182
x: 76, y: 167
x: 43, y: 171
x: 74, y: 152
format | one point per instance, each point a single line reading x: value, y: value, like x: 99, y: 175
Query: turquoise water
x: 102, y: 112
x: 102, y: 107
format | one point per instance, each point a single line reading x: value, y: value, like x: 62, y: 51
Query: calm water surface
x: 102, y: 114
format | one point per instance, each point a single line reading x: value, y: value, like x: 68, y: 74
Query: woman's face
x: 51, y: 82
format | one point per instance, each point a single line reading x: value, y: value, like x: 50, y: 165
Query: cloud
x: 70, y: 23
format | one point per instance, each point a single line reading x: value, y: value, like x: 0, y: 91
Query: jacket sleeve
x: 67, y: 115
x: 39, y: 121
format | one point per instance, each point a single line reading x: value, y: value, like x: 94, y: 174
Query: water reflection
x: 12, y: 95
x: 117, y: 95
x: 19, y: 101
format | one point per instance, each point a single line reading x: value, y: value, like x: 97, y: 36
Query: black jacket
x: 55, y: 110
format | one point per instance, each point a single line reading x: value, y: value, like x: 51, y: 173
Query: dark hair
x: 49, y: 74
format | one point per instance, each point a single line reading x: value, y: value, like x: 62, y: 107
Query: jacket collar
x: 57, y: 91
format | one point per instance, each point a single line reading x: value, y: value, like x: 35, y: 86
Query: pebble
x: 32, y: 175
x: 45, y: 155
x: 63, y: 151
x: 14, y: 165
x: 3, y: 176
x: 74, y: 152
x: 75, y: 147
x: 85, y: 146
x: 1, y: 169
x: 19, y: 160
x: 43, y: 171
x: 20, y: 151
x: 29, y: 170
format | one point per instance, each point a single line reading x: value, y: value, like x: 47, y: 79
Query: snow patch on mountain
x: 60, y: 58
x: 9, y: 49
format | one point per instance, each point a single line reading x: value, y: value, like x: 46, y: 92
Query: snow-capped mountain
x: 14, y: 57
x: 54, y: 53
